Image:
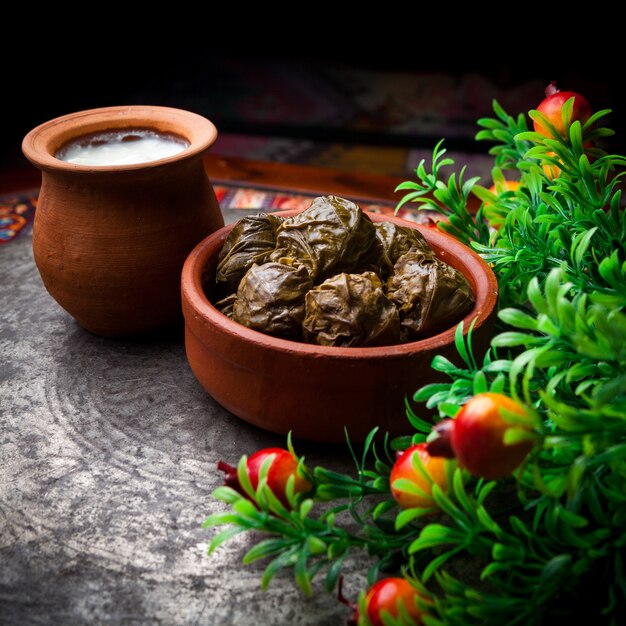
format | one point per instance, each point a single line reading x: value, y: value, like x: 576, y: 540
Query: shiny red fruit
x: 435, y: 469
x: 552, y: 107
x: 477, y: 432
x: 385, y: 596
x: 282, y: 466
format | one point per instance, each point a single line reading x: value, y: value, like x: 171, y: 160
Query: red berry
x: 477, y: 436
x: 435, y: 468
x: 552, y: 107
x: 385, y: 595
x: 282, y: 466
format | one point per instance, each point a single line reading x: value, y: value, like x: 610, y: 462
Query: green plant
x: 549, y: 544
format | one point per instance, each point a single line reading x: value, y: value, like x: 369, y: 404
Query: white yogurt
x: 121, y: 148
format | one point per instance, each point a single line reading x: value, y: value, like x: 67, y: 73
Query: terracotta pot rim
x: 43, y: 141
x: 481, y: 276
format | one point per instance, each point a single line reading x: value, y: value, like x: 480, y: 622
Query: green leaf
x: 555, y: 568
x: 566, y: 112
x: 245, y: 508
x: 367, y: 444
x: 437, y: 562
x: 302, y: 574
x: 226, y: 494
x: 408, y: 515
x: 576, y: 137
x: 305, y: 508
x: 458, y: 488
x: 424, y: 393
x: 595, y: 117
x: 540, y: 118
x: 501, y: 365
x: 218, y: 519
x: 499, y: 385
x: 480, y: 383
x: 517, y: 318
x: 508, y: 552
x: 382, y: 507
x: 484, y: 489
x: 487, y: 521
x: 418, y: 424
x: 267, y: 499
x: 494, y: 567
x: 514, y: 435
x: 499, y: 111
x: 449, y: 409
x: 573, y: 519
x: 529, y: 135
x: 242, y: 476
x: 483, y: 134
x: 408, y: 486
x: 264, y: 549
x: 281, y: 561
x: 333, y: 573
x: 484, y: 194
x: 489, y: 122
x: 520, y: 528
x: 224, y: 536
x: 511, y: 338
x: 408, y: 184
x: 435, y: 535
x: 459, y: 342
x: 315, y: 545
x: 536, y: 297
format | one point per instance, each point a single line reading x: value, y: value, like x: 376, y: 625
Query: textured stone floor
x: 107, y: 461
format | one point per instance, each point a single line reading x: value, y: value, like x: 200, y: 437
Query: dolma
x: 392, y: 241
x: 331, y: 236
x: 225, y: 305
x: 429, y: 294
x: 270, y: 299
x: 252, y: 240
x: 350, y: 310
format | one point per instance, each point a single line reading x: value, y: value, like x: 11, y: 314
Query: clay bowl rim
x: 42, y: 142
x: 486, y: 294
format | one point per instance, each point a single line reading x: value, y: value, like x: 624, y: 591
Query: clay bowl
x: 315, y: 391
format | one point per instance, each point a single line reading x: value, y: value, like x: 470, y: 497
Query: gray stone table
x: 108, y: 452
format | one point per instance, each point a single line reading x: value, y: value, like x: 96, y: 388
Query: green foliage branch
x: 548, y: 543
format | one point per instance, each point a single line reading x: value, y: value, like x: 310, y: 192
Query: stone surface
x: 107, y: 454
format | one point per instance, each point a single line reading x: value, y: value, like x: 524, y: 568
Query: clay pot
x: 316, y: 391
x: 110, y: 242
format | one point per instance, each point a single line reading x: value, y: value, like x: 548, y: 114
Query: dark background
x: 196, y: 77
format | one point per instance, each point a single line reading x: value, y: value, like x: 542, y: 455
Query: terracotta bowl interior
x: 215, y: 342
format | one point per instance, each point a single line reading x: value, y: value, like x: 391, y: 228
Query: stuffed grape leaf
x: 429, y: 294
x: 392, y: 241
x: 225, y: 305
x: 270, y: 299
x: 331, y: 236
x: 329, y: 276
x: 252, y: 240
x: 350, y: 310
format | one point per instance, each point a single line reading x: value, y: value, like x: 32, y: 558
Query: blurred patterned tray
x: 18, y: 210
